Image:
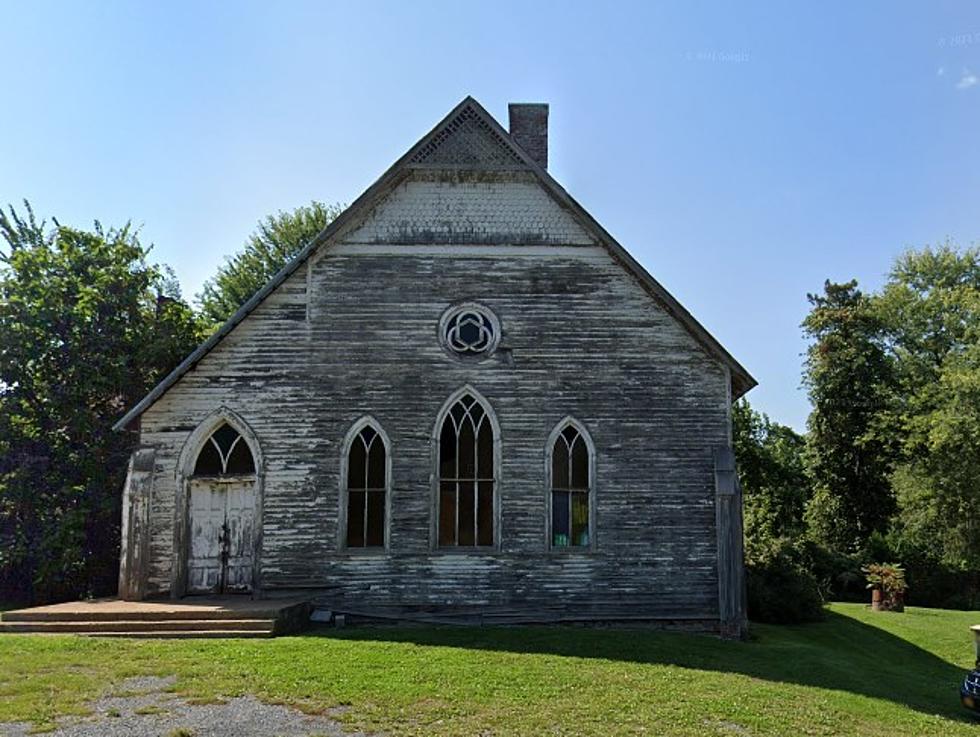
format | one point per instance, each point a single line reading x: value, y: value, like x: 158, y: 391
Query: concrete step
x: 134, y: 625
x: 190, y: 617
x: 154, y: 634
x: 136, y: 615
x: 182, y: 634
x: 172, y: 634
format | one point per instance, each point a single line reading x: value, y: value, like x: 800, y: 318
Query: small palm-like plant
x: 887, y: 584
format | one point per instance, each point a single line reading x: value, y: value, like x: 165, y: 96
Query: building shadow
x: 840, y: 653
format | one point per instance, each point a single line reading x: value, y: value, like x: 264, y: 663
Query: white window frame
x: 586, y: 437
x: 435, y: 477
x: 352, y: 434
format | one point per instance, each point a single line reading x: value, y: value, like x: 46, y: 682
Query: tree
x: 772, y: 471
x: 930, y: 306
x: 86, y: 328
x: 851, y: 450
x: 275, y: 241
x: 775, y: 488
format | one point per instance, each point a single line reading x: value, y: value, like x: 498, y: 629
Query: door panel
x: 222, y: 534
x: 239, y: 516
x: 207, y: 515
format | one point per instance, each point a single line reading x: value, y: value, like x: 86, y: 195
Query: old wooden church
x: 464, y: 393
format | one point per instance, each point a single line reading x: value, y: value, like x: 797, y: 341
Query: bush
x: 781, y: 587
x: 931, y: 583
x: 838, y: 574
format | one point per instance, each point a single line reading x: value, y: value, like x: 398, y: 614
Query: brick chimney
x: 529, y: 127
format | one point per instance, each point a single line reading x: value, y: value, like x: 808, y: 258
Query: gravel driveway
x: 145, y: 709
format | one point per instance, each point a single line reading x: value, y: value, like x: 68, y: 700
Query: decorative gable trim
x: 467, y: 140
x: 520, y: 213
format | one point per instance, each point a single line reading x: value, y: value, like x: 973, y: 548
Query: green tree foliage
x: 775, y: 490
x: 780, y: 583
x: 772, y: 471
x: 931, y: 310
x: 851, y: 446
x: 894, y: 441
x: 275, y: 241
x: 86, y: 328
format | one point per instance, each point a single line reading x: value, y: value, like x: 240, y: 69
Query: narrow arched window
x: 571, y: 487
x: 225, y: 453
x: 467, y: 478
x: 367, y: 488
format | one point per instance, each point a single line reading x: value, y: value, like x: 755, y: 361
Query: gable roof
x: 467, y: 137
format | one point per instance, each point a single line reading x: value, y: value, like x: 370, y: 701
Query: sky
x: 743, y: 153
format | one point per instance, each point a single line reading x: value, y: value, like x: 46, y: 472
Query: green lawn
x: 857, y: 673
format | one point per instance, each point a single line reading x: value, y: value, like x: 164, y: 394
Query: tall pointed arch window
x: 467, y: 475
x: 225, y: 453
x: 571, y: 493
x: 367, y: 486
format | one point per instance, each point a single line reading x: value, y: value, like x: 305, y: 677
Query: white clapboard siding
x: 356, y: 334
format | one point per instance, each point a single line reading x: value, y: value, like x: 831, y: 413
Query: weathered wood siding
x: 355, y: 332
x: 135, y: 529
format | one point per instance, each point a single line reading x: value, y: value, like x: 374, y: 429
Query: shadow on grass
x: 840, y: 653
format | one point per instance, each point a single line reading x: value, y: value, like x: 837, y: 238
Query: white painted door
x: 222, y: 525
x: 239, y: 519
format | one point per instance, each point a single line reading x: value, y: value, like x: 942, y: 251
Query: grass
x: 858, y: 673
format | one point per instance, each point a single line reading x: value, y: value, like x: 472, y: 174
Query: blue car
x: 970, y: 691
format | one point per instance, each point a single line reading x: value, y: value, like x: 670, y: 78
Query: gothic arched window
x: 570, y: 470
x: 467, y: 476
x: 367, y: 487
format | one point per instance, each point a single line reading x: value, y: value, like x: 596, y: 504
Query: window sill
x: 224, y: 479
x: 365, y: 552
x: 463, y: 550
x: 582, y: 550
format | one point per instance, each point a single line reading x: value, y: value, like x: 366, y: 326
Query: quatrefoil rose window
x: 470, y: 330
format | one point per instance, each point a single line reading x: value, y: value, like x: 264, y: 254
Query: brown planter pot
x: 876, y: 599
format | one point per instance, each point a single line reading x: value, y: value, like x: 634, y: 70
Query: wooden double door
x: 222, y: 539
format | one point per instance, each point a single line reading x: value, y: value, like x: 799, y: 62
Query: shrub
x: 781, y: 587
x: 935, y: 585
x: 931, y: 583
x: 838, y: 574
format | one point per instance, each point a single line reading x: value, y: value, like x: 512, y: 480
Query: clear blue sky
x: 743, y: 154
